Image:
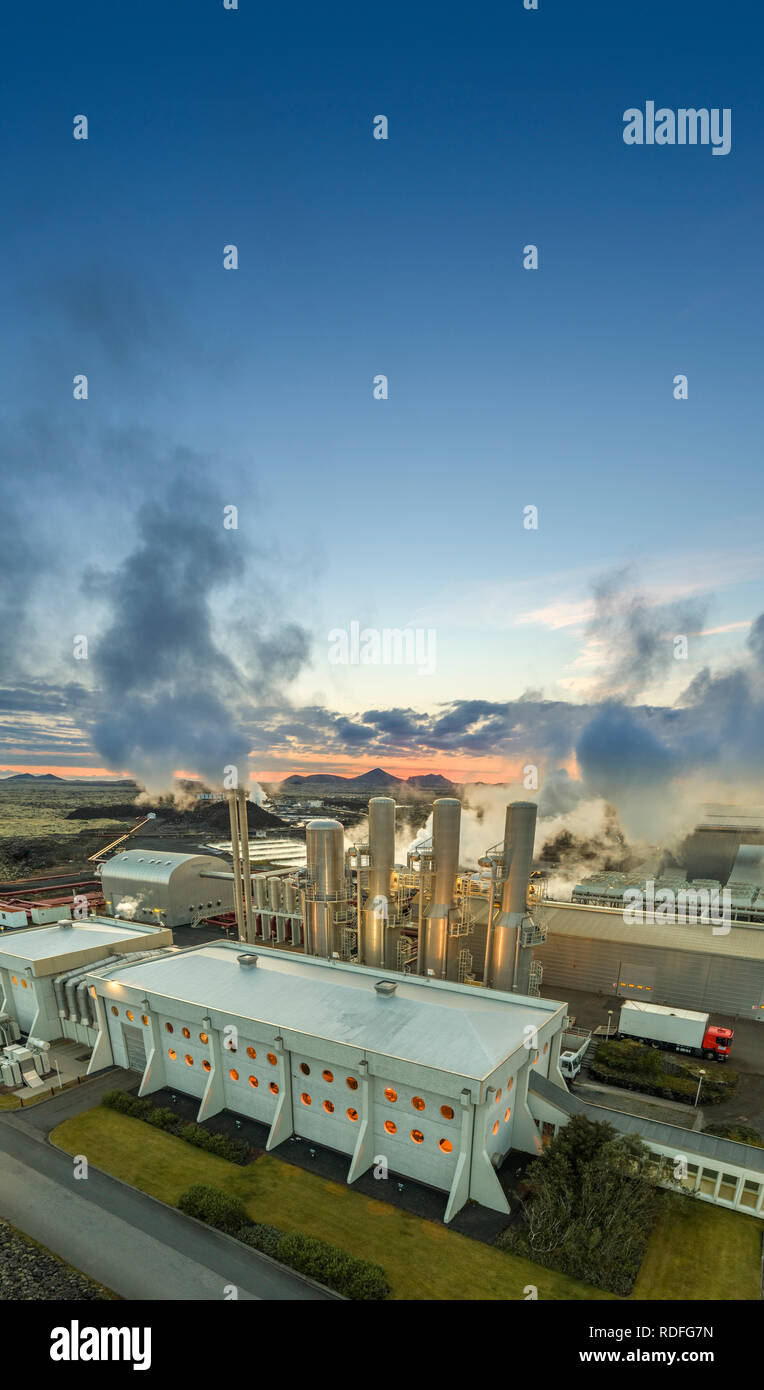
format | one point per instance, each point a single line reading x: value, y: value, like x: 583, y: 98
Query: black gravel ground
x: 29, y: 1273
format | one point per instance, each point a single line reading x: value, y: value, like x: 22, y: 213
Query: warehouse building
x: 43, y: 973
x: 431, y: 1075
x: 168, y: 889
x: 593, y: 949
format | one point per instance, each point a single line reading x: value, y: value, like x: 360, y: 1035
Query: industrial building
x: 492, y: 926
x: 43, y: 973
x: 396, y: 1012
x: 168, y: 889
x: 431, y: 1074
x: 436, y: 1078
x: 594, y: 949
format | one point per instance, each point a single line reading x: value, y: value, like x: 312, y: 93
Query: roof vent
x: 247, y: 961
x: 386, y: 986
x: 65, y: 924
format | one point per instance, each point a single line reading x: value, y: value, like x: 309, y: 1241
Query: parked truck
x: 574, y: 1044
x: 678, y: 1030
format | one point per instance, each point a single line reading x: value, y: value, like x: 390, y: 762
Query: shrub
x: 357, y: 1279
x: 639, y: 1068
x: 163, y: 1117
x: 261, y: 1237
x: 224, y: 1146
x: 733, y: 1129
x: 117, y: 1100
x: 214, y: 1207
x: 591, y: 1208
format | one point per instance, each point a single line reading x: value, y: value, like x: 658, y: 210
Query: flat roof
x: 607, y: 924
x: 447, y: 1026
x: 40, y: 943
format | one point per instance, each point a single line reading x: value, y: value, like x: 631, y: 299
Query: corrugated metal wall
x: 723, y: 984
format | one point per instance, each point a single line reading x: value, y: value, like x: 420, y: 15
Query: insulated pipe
x: 519, y: 833
x: 446, y: 816
x: 69, y: 989
x: 376, y: 913
x: 58, y: 995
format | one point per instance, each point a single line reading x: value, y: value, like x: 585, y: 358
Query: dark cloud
x: 756, y: 640
x: 170, y: 694
x: 634, y: 636
x: 618, y: 752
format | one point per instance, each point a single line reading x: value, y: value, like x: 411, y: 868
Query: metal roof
x: 602, y: 923
x: 150, y: 866
x: 682, y: 1141
x: 39, y: 943
x: 449, y: 1027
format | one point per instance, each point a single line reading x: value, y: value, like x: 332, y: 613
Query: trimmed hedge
x: 214, y: 1207
x: 222, y: 1145
x: 356, y: 1279
x: 351, y: 1277
x: 260, y: 1237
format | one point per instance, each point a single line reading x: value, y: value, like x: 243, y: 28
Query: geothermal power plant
x: 425, y: 917
x: 369, y: 1006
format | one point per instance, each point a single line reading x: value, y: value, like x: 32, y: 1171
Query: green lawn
x: 700, y: 1252
x: 422, y: 1259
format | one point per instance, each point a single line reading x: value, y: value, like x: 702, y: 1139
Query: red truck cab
x: 717, y: 1042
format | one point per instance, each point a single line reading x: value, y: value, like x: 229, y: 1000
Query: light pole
x: 609, y: 1019
x: 701, y: 1074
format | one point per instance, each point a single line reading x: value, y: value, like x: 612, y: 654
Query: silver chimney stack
x: 446, y: 817
x: 519, y: 833
x: 381, y: 863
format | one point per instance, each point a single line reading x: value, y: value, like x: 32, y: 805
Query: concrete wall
x: 434, y: 1127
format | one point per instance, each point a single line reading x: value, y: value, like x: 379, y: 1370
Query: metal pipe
x: 381, y: 864
x: 249, y: 919
x: 237, y: 891
x: 446, y: 817
x: 484, y: 864
x: 519, y: 833
x: 326, y: 886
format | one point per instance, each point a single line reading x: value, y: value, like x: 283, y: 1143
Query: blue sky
x: 253, y: 387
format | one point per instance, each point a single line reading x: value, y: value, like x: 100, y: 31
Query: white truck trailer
x: 677, y: 1030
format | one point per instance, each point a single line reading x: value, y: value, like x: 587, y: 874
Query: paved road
x: 125, y: 1240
